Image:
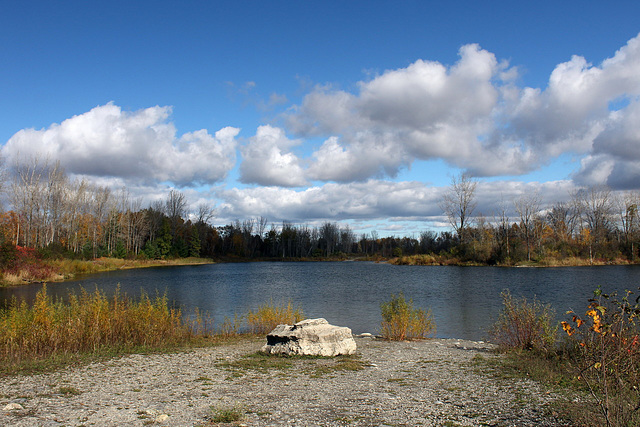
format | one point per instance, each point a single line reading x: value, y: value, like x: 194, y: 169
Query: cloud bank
x: 475, y: 117
x: 138, y: 147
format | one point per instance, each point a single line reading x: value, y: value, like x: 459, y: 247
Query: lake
x: 465, y: 301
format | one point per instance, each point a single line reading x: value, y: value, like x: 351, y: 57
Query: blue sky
x: 309, y: 111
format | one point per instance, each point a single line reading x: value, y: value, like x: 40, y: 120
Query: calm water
x: 464, y: 300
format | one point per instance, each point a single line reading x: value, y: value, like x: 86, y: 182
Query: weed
x: 230, y: 327
x: 52, y: 331
x: 401, y: 321
x: 226, y: 415
x: 608, y: 355
x: 524, y: 325
x: 268, y: 316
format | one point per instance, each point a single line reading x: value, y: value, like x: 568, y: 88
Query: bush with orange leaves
x: 608, y: 361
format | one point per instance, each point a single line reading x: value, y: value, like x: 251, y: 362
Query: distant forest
x: 64, y: 217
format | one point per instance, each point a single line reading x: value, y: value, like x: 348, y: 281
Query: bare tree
x: 503, y: 227
x: 55, y: 201
x: 627, y: 207
x: 346, y: 239
x: 247, y: 237
x: 527, y: 206
x: 261, y: 224
x: 562, y: 218
x: 595, y: 205
x: 330, y: 232
x: 26, y: 198
x: 175, y: 206
x: 204, y: 213
x: 101, y: 197
x: 458, y: 203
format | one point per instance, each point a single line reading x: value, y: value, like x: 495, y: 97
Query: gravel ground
x: 435, y: 382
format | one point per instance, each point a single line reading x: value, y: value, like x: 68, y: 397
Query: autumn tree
x: 458, y: 203
x: 562, y: 218
x: 595, y: 205
x: 527, y: 206
x: 628, y: 217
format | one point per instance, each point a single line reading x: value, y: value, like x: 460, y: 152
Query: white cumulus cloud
x: 139, y: 146
x: 266, y: 160
x: 473, y: 115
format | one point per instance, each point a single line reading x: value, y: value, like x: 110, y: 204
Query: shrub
x: 608, y: 361
x: 226, y: 415
x: 87, y: 323
x: 8, y: 255
x: 400, y: 321
x: 230, y: 327
x: 524, y: 325
x: 268, y: 316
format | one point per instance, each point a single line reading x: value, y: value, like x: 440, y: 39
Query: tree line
x: 594, y: 223
x: 66, y: 217
x: 62, y: 216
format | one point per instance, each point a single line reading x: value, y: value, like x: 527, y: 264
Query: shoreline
x: 71, y: 269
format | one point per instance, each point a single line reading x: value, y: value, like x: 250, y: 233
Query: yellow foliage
x: 268, y: 316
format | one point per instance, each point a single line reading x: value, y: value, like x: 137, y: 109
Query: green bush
x: 524, y: 325
x: 400, y: 321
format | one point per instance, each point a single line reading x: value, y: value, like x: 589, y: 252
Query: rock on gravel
x: 310, y: 337
x: 433, y: 383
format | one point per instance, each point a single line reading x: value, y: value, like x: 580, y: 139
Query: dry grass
x: 88, y: 322
x: 400, y: 321
x: 55, y: 270
x: 22, y: 277
x: 53, y: 333
x: 416, y: 260
x: 268, y: 316
x: 524, y: 325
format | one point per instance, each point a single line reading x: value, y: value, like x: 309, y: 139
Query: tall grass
x: 88, y: 322
x: 524, y: 325
x: 268, y: 316
x: 401, y: 321
x: 92, y: 323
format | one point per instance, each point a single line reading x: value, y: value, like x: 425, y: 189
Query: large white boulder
x: 312, y: 337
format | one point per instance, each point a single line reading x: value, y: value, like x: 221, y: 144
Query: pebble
x: 427, y: 382
x: 161, y: 418
x: 13, y: 407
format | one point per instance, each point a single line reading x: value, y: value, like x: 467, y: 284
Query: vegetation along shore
x: 106, y: 361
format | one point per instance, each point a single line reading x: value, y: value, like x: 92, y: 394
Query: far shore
x: 67, y: 269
